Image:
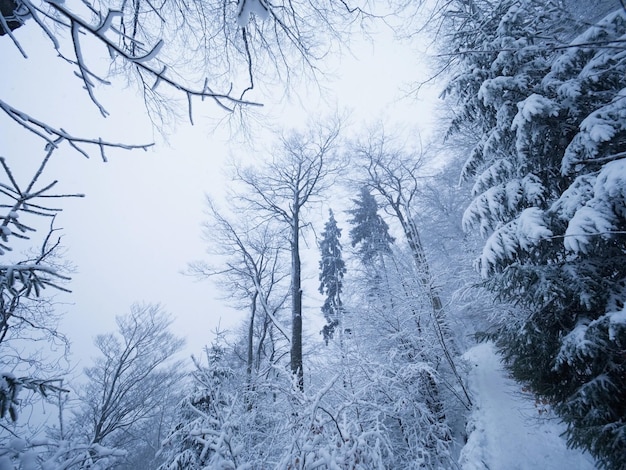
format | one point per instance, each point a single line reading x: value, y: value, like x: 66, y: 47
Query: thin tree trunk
x: 425, y: 280
x: 250, y: 351
x: 296, y: 304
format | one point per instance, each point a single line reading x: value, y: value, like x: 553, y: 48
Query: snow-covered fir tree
x: 369, y: 230
x: 332, y: 270
x: 548, y: 95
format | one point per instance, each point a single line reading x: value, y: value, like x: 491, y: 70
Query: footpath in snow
x: 508, y: 430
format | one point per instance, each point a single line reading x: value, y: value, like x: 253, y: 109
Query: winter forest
x: 377, y: 274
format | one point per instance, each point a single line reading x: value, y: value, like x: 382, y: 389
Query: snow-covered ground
x: 508, y: 430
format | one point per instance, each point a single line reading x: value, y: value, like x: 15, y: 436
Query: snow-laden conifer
x: 547, y: 94
x: 369, y: 230
x: 332, y: 270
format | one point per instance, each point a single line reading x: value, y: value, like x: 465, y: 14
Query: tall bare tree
x: 301, y: 168
x: 395, y: 175
x: 131, y: 379
x: 250, y: 267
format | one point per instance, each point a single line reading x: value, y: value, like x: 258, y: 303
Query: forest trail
x: 508, y: 429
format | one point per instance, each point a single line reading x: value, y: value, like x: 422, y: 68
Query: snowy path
x: 509, y: 433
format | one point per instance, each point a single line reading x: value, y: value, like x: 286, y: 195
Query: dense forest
x: 508, y: 226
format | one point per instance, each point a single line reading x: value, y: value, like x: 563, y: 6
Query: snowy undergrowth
x: 508, y: 430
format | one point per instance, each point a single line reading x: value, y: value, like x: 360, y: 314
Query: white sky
x: 139, y: 224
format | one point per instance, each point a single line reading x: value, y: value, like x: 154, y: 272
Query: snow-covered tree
x: 249, y: 264
x: 547, y: 92
x: 391, y: 385
x: 132, y: 380
x: 283, y: 189
x: 332, y: 270
x: 369, y: 230
x: 394, y: 174
x: 205, y: 432
x: 380, y: 403
x: 370, y: 234
x: 32, y: 348
x: 26, y: 312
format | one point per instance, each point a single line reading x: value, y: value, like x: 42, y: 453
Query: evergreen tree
x: 549, y: 192
x: 332, y: 270
x: 369, y: 230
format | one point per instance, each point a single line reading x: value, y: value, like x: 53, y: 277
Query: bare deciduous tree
x: 251, y: 269
x: 302, y: 167
x: 395, y: 176
x: 131, y: 380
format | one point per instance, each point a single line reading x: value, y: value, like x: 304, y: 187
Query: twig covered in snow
x: 141, y: 61
x: 55, y: 136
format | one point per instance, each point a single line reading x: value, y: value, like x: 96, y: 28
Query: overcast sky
x: 140, y: 223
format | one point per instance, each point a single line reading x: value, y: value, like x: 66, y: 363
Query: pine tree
x: 332, y: 270
x: 369, y: 230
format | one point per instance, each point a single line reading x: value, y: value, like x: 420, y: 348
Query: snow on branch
x: 574, y: 197
x: 583, y: 342
x: 499, y: 203
x: 11, y: 386
x: 602, y: 213
x: 83, y: 72
x: 521, y: 234
x: 48, y: 453
x: 53, y: 136
x: 146, y: 62
x: 533, y: 106
x: 597, y: 131
x: 25, y: 200
x: 500, y: 170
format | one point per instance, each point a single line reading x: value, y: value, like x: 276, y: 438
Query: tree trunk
x: 296, y: 303
x: 250, y: 353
